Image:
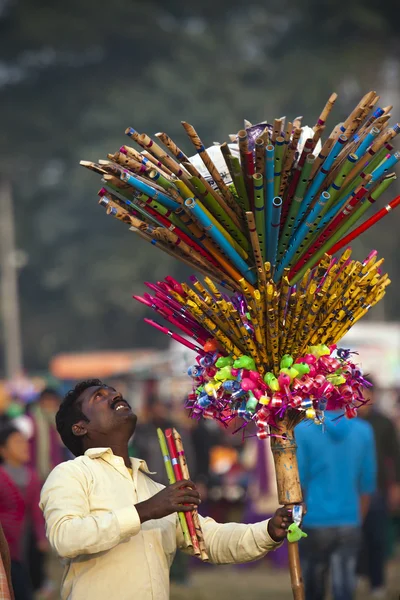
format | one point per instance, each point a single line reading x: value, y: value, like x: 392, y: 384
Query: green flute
x: 171, y: 478
x: 354, y: 217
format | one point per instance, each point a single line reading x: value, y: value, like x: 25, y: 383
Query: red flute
x: 174, y: 336
x: 173, y: 452
x: 331, y: 228
x: 163, y: 219
x: 364, y: 226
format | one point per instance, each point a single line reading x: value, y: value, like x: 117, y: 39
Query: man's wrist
x: 143, y: 512
x: 272, y: 533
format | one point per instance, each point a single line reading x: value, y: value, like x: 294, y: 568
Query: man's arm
x: 71, y: 529
x: 231, y: 543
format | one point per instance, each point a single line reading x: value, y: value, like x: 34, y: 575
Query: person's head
x: 369, y: 395
x: 49, y: 400
x: 94, y: 415
x: 14, y: 446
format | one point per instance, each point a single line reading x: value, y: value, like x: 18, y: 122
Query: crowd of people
x: 350, y: 474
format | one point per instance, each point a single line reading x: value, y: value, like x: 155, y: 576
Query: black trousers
x: 21, y: 581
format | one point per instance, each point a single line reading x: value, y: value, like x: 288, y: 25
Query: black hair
x: 70, y: 412
x: 49, y: 391
x: 5, y: 433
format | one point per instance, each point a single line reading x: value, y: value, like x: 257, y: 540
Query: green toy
x: 295, y: 533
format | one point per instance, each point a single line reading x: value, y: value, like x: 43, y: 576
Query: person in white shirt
x: 115, y: 528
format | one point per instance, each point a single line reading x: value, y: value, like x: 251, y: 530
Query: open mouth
x: 120, y: 405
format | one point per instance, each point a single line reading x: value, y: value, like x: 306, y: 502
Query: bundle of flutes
x: 277, y: 194
x: 171, y: 447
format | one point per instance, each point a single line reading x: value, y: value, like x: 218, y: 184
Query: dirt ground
x: 258, y: 583
x: 227, y: 583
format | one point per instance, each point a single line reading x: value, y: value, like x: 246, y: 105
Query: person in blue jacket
x: 337, y: 465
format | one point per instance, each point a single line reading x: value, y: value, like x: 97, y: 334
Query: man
x: 385, y: 498
x: 337, y: 472
x: 115, y: 528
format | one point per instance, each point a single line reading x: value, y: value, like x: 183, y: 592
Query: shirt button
x: 150, y: 546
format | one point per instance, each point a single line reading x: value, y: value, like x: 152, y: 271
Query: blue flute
x: 220, y: 240
x: 149, y: 191
x: 269, y: 175
x: 319, y: 178
x: 387, y: 163
x: 302, y: 235
x: 272, y: 247
x: 363, y: 147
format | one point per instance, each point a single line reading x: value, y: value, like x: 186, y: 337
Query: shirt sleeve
x: 71, y: 528
x: 231, y: 543
x: 368, y: 468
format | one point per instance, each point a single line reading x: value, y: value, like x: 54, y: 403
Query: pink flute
x: 160, y: 293
x: 169, y: 317
x: 199, y: 334
x: 330, y: 229
x: 174, y: 336
x: 179, y: 313
x: 370, y: 255
x: 364, y: 226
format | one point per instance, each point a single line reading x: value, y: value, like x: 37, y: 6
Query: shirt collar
x: 137, y: 464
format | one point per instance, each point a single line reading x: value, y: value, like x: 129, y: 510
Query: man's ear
x: 79, y: 428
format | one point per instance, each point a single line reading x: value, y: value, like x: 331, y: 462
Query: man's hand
x: 181, y: 496
x: 277, y: 526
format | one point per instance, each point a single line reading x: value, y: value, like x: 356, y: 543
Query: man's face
x: 106, y: 411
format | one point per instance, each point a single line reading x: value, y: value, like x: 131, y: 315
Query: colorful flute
x: 186, y: 475
x: 174, y: 336
x: 272, y: 246
x: 301, y: 235
x: 279, y: 150
x: 147, y: 189
x: 295, y: 205
x: 319, y: 179
x: 269, y: 174
x: 169, y: 436
x: 171, y: 479
x: 364, y: 226
x: 344, y: 228
x: 235, y: 170
x: 220, y: 240
x: 366, y: 143
x: 259, y: 211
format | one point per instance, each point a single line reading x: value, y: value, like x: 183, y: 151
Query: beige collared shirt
x: 92, y: 524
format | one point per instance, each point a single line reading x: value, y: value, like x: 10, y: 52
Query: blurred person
x: 19, y: 506
x: 115, y: 528
x: 6, y: 589
x: 373, y: 555
x: 47, y: 450
x: 337, y: 466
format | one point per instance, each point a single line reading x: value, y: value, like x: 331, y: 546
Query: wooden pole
x: 283, y: 445
x: 9, y: 300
